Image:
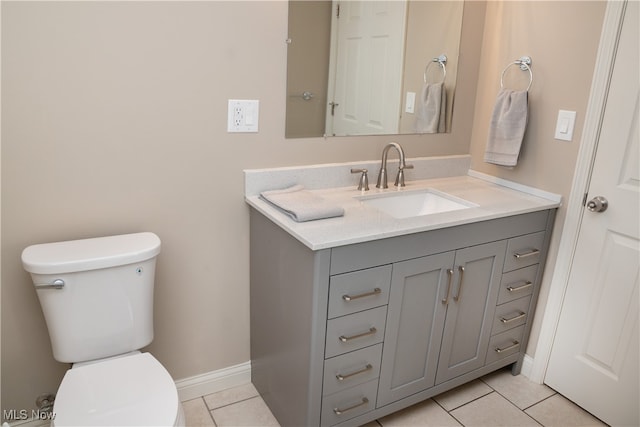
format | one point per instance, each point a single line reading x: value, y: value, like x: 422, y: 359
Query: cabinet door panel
x: 470, y: 312
x: 415, y: 321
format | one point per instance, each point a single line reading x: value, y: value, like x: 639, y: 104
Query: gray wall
x: 114, y: 121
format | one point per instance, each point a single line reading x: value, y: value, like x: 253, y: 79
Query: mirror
x: 353, y: 67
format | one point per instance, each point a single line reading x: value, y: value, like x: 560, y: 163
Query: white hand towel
x: 300, y: 204
x: 431, y: 109
x: 506, y: 131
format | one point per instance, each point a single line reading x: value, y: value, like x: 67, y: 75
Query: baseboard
x: 527, y: 366
x: 214, y: 381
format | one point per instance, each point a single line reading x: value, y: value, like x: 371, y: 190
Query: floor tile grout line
x: 523, y: 409
x: 517, y: 407
x: 466, y: 403
x: 229, y: 404
x: 215, y: 424
x: 540, y: 401
x: 487, y: 394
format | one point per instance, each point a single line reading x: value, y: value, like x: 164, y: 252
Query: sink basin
x: 416, y: 203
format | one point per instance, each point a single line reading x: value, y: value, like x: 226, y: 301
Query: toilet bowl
x: 133, y: 390
x: 97, y: 299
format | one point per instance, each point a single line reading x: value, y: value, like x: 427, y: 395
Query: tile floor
x: 498, y: 399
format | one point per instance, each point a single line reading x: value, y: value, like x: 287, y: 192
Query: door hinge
x: 338, y: 10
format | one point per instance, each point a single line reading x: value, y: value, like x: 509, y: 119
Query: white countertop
x: 362, y: 223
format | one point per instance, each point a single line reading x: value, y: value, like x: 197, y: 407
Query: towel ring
x: 442, y: 61
x: 525, y: 65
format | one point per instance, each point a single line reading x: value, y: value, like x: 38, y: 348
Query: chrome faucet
x: 382, y: 175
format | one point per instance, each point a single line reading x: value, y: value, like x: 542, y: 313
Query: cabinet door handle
x: 526, y: 285
x: 461, y: 281
x: 339, y: 411
x: 372, y: 330
x: 511, y: 319
x: 376, y: 291
x: 515, y: 344
x: 367, y: 368
x: 532, y: 252
x: 446, y: 297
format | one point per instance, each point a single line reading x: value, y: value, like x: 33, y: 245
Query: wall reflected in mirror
x: 370, y: 67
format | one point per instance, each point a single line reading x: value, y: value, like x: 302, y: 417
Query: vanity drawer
x: 349, y: 403
x: 523, y: 251
x: 359, y: 290
x: 355, y: 331
x: 517, y: 284
x: 510, y: 315
x: 504, y: 344
x: 351, y: 369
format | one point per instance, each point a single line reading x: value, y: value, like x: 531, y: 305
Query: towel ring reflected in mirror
x: 525, y: 65
x: 442, y: 61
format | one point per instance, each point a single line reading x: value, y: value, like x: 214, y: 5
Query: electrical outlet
x: 243, y: 115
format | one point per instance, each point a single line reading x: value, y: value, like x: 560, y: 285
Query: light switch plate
x: 410, y: 102
x: 243, y: 115
x: 565, y: 124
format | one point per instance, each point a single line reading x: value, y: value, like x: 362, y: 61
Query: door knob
x: 598, y: 204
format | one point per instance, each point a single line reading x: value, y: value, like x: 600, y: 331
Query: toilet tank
x: 96, y: 294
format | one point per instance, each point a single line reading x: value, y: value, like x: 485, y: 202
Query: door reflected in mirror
x: 371, y: 67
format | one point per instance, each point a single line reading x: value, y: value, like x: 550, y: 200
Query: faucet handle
x: 400, y: 177
x: 363, y: 184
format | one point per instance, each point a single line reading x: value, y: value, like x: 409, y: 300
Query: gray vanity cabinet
x: 346, y: 335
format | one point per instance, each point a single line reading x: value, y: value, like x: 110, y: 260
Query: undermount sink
x: 416, y: 203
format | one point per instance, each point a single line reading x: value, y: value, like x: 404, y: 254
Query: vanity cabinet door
x: 415, y: 322
x: 470, y: 309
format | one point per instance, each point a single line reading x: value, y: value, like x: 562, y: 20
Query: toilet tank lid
x: 90, y: 254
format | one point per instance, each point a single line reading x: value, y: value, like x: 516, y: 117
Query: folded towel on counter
x: 301, y: 205
x: 506, y: 131
x: 431, y: 109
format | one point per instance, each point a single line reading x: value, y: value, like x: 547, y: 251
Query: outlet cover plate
x: 243, y: 115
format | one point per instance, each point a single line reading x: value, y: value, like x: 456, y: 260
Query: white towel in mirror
x: 431, y: 108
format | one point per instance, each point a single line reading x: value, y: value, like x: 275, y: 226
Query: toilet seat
x: 134, y: 390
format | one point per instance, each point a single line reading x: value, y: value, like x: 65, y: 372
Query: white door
x: 594, y: 359
x: 368, y: 37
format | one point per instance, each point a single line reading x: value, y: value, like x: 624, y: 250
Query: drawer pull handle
x: 446, y: 297
x: 372, y: 330
x: 376, y: 291
x: 339, y: 411
x: 367, y: 368
x: 532, y: 252
x: 515, y: 344
x: 461, y: 281
x: 521, y: 315
x: 526, y: 285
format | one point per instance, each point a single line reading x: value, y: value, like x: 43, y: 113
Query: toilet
x: 97, y: 299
